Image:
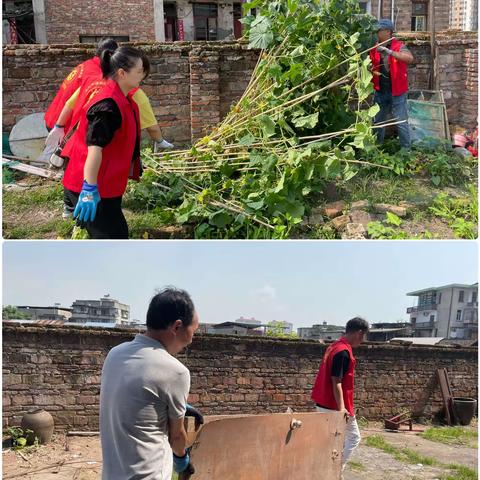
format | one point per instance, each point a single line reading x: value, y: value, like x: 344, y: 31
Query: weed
x: 451, y: 435
x: 461, y: 214
x: 462, y: 472
x: 405, y: 455
x: 356, y: 466
x: 19, y: 437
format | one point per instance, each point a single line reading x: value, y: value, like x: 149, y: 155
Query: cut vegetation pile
x: 300, y: 123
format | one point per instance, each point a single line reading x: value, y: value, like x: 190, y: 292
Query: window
x: 461, y: 295
x: 205, y: 20
x: 237, y: 16
x: 474, y: 296
x: 365, y: 6
x: 427, y: 299
x: 439, y: 301
x: 97, y: 38
x: 419, y: 16
x: 432, y: 318
x: 414, y: 319
x: 459, y: 315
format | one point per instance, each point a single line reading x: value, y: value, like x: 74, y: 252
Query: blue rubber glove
x: 86, y: 207
x: 180, y: 464
x: 193, y: 412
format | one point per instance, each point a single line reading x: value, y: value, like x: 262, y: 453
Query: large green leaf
x: 220, y: 219
x: 309, y: 121
x: 261, y: 34
x: 267, y: 124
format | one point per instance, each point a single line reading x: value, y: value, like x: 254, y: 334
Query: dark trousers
x: 109, y: 221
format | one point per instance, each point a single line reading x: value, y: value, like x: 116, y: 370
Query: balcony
x: 472, y: 304
x: 422, y: 308
x: 425, y: 325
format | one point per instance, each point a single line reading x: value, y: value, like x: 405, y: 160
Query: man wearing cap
x: 389, y: 67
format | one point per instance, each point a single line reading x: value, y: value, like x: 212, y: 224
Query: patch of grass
x: 452, y: 436
x: 461, y: 214
x: 51, y: 229
x: 462, y: 472
x: 405, y: 455
x: 356, y: 466
x: 38, y: 195
x: 324, y: 232
x: 140, y: 225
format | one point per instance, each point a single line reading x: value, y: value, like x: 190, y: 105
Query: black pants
x: 109, y: 221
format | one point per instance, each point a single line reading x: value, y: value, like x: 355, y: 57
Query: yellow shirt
x: 147, y: 117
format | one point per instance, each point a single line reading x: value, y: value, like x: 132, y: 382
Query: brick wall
x: 59, y: 369
x: 192, y: 85
x: 67, y: 20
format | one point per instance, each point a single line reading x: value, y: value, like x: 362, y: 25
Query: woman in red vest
x: 104, y: 151
x: 390, y: 63
x: 334, y: 386
x: 68, y: 87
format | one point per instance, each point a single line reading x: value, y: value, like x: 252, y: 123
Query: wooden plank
x: 446, y: 393
x: 264, y: 447
x: 22, y: 167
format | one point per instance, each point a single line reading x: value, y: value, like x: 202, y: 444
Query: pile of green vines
x: 300, y: 123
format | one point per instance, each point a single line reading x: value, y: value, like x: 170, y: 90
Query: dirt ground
x: 79, y: 458
x: 373, y: 464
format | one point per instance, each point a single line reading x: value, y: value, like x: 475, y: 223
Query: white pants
x: 352, y: 436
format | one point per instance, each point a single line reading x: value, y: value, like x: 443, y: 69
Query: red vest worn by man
x: 117, y: 165
x: 398, y: 70
x: 322, y: 392
x: 68, y: 88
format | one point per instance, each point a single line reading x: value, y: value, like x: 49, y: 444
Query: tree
x: 13, y: 313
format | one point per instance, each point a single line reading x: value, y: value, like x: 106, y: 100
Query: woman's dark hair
x: 168, y: 305
x: 122, y: 57
x: 106, y: 44
x: 356, y: 324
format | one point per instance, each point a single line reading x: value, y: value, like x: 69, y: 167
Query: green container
x: 6, y: 144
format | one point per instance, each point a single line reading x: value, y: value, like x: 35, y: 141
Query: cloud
x: 267, y: 293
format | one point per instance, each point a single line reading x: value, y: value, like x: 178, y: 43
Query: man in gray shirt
x: 144, y: 392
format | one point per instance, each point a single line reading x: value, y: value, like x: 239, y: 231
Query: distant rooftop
x: 452, y: 285
x: 418, y: 340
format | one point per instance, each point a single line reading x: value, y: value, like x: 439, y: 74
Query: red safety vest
x: 68, y: 88
x: 322, y: 392
x: 398, y: 70
x: 117, y: 166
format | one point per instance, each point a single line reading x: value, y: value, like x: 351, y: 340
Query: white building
x: 104, y: 311
x: 450, y: 311
x: 321, y: 332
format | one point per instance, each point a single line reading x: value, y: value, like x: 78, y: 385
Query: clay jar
x: 41, y: 422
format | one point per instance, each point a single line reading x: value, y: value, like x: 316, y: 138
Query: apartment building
x: 321, y: 331
x: 449, y: 311
x: 104, y: 311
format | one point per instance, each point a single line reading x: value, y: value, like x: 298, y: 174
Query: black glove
x: 193, y: 412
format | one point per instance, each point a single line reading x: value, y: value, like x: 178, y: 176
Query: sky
x: 302, y: 282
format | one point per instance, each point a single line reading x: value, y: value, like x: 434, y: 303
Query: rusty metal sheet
x: 265, y: 447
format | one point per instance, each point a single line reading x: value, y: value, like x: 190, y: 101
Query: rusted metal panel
x: 280, y: 446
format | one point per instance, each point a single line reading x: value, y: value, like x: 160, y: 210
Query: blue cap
x: 385, y: 24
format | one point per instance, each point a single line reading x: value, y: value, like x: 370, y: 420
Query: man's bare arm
x: 338, y: 393
x: 177, y: 436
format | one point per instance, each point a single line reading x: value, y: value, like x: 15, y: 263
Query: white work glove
x: 161, y: 145
x: 381, y: 48
x: 55, y: 137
